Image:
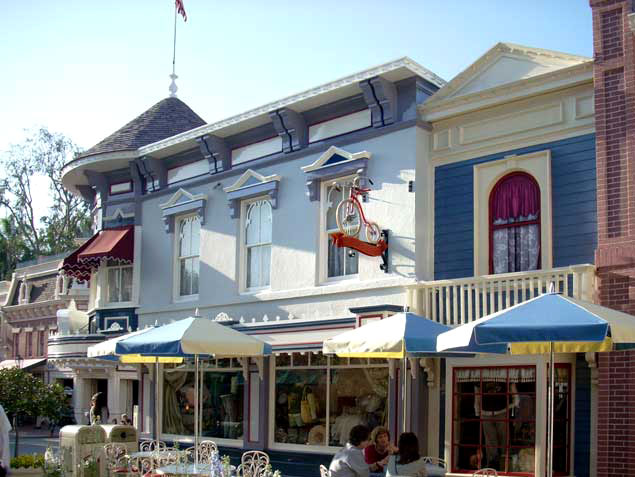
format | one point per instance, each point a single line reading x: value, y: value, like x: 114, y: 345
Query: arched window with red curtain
x: 514, y: 219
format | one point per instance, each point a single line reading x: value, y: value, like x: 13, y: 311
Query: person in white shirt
x: 349, y: 461
x: 5, y: 453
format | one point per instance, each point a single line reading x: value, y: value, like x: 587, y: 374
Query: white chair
x: 253, y: 464
x: 150, y: 446
x: 324, y: 471
x: 435, y: 461
x: 206, y: 449
x: 488, y: 471
x: 113, y: 452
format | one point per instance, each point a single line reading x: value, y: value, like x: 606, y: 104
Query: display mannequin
x: 492, y: 406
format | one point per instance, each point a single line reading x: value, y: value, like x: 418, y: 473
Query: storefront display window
x: 319, y: 398
x: 494, y: 423
x: 222, y: 400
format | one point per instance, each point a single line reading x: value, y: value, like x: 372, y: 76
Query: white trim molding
x: 486, y: 175
x: 248, y: 174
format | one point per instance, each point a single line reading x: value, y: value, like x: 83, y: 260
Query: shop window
x: 317, y: 402
x: 341, y: 262
x: 119, y: 284
x: 222, y: 402
x: 514, y: 207
x: 188, y: 250
x: 494, y: 423
x: 257, y: 244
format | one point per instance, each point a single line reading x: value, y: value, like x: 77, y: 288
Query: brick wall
x: 614, y: 80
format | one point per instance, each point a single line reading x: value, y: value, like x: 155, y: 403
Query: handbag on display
x: 305, y: 407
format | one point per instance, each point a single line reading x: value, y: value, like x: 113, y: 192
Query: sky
x: 85, y: 68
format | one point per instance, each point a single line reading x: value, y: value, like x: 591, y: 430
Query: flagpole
x: 173, y: 76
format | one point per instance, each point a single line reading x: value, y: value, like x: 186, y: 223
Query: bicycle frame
x: 356, y: 191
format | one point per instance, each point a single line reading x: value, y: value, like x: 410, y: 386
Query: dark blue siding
x: 581, y: 453
x: 573, y: 200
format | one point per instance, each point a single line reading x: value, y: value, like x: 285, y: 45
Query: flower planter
x: 27, y: 472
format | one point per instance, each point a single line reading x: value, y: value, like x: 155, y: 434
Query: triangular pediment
x: 503, y: 64
x: 335, y: 155
x: 182, y: 196
x: 251, y: 178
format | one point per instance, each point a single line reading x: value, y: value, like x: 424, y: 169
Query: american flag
x: 180, y: 9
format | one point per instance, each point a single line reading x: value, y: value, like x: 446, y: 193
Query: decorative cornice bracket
x: 217, y: 153
x: 291, y: 127
x: 381, y: 97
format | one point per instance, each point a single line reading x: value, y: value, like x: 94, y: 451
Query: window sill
x: 186, y: 298
x: 255, y: 291
x: 353, y: 278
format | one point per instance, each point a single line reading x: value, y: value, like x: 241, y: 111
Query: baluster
x: 426, y: 302
x: 455, y: 305
x: 566, y: 284
x: 540, y: 285
x: 508, y: 301
x: 409, y: 293
x: 461, y: 305
x: 433, y: 298
x: 532, y: 291
x: 500, y: 295
x: 441, y: 305
x: 484, y: 298
x: 470, y: 310
x: 449, y: 319
x: 577, y: 288
x: 477, y: 299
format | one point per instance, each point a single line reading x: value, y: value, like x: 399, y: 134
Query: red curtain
x: 514, y: 197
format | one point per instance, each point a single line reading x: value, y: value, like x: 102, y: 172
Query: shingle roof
x: 168, y: 117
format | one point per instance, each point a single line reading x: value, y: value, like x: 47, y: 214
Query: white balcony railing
x: 461, y: 300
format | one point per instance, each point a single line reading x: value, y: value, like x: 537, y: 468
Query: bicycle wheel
x: 348, y: 217
x: 373, y: 232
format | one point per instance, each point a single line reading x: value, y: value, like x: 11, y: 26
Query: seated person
x: 376, y: 454
x: 407, y: 460
x: 125, y: 420
x: 349, y: 461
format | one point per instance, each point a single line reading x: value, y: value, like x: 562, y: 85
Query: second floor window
x: 119, y: 284
x: 515, y: 224
x: 258, y: 244
x: 341, y: 261
x: 188, y: 249
x: 29, y: 344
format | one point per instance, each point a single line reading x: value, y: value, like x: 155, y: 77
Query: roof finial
x: 173, y: 87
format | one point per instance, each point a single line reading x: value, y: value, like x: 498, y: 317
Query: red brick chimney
x: 614, y: 80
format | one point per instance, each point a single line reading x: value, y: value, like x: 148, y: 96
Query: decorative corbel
x: 156, y: 168
x: 392, y: 366
x: 381, y: 97
x: 87, y: 193
x: 429, y: 366
x: 217, y: 153
x: 291, y: 127
x: 260, y: 363
x: 99, y: 182
x: 413, y: 367
x: 591, y: 359
x: 244, y: 362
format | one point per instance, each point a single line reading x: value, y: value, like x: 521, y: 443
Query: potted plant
x: 27, y: 465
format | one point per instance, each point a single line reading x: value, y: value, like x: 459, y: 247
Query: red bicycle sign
x: 350, y: 214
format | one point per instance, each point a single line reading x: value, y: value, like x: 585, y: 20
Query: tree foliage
x: 22, y: 394
x: 42, y: 153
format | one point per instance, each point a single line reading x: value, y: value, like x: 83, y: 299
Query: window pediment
x: 251, y: 184
x: 183, y: 202
x: 335, y: 162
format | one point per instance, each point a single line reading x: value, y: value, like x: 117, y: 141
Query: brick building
x: 33, y: 296
x: 614, y: 80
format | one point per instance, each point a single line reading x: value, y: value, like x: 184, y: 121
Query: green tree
x: 42, y: 153
x: 24, y: 395
x: 12, y: 248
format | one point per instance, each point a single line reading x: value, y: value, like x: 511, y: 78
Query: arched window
x: 514, y: 219
x: 258, y: 243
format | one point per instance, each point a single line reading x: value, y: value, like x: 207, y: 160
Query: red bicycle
x: 350, y: 215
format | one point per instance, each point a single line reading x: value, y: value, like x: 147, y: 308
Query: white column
x: 114, y: 390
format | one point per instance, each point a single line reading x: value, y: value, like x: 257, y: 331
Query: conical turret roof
x: 166, y: 118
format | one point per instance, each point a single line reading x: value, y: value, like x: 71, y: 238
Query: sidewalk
x: 31, y: 432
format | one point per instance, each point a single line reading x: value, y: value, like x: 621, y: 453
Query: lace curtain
x: 515, y: 248
x: 516, y: 375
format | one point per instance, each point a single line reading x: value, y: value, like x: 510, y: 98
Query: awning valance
x: 111, y: 244
x: 22, y: 363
